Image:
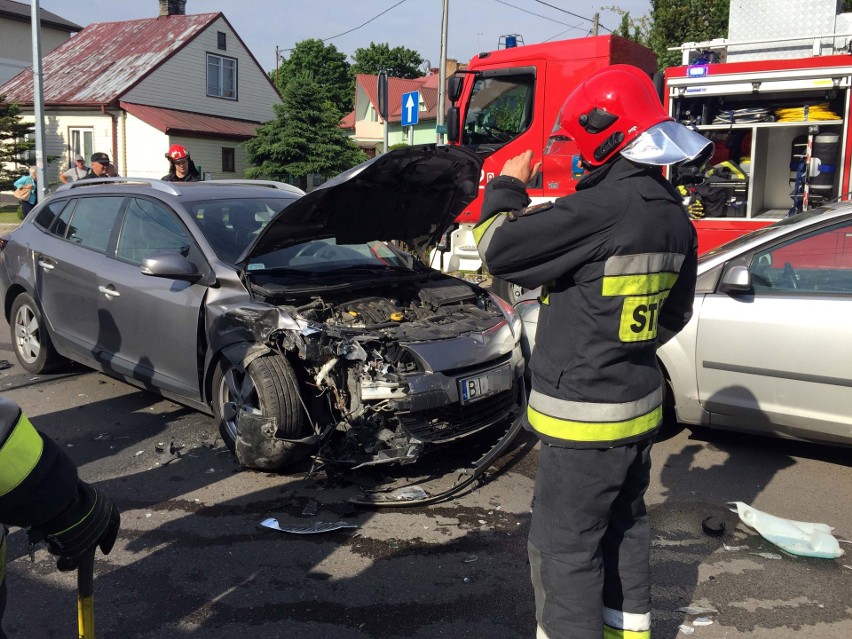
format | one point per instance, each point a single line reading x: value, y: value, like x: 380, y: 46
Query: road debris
x: 311, y: 529
x: 4, y: 364
x: 767, y: 555
x: 310, y: 509
x: 410, y: 493
x: 734, y: 548
x: 687, y: 630
x: 713, y: 526
x: 695, y: 609
x: 806, y: 539
x: 702, y: 621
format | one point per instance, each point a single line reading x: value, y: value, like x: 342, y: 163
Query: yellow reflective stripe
x: 617, y: 633
x: 619, y: 285
x: 571, y: 430
x: 480, y: 229
x: 19, y: 455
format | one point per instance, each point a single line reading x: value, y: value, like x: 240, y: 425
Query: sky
x: 472, y: 25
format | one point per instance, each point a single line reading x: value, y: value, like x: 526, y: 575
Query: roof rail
x: 272, y: 184
x: 152, y: 182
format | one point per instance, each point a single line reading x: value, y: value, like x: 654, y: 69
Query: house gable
x: 181, y: 81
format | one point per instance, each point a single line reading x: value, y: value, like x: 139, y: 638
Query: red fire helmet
x: 177, y: 152
x: 608, y: 110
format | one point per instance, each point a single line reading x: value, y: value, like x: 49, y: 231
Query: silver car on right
x: 769, y: 347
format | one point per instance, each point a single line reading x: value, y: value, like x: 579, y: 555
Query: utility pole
x: 277, y: 58
x: 442, y: 77
x: 595, y: 24
x: 38, y: 101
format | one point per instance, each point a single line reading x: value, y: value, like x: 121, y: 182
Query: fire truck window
x: 820, y: 262
x: 501, y: 108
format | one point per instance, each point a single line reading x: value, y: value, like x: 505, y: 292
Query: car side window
x: 150, y: 228
x: 93, y: 221
x: 49, y: 213
x: 819, y: 262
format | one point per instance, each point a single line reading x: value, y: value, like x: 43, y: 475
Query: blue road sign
x: 410, y: 108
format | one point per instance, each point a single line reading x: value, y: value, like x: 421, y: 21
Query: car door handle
x: 109, y: 292
x: 46, y: 265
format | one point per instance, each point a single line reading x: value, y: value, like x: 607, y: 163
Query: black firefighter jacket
x: 617, y: 262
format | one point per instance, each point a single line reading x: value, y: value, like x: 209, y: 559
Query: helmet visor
x: 666, y: 143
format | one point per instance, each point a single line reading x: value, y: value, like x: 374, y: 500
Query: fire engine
x: 506, y: 102
x: 776, y: 103
x: 778, y: 109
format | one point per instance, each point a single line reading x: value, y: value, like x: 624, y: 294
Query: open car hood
x: 411, y: 194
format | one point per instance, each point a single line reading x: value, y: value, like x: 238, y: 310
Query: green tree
x: 674, y: 22
x: 329, y: 68
x: 14, y: 143
x: 305, y: 137
x: 399, y: 62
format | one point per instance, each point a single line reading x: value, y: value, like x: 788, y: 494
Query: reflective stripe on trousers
x: 589, y: 543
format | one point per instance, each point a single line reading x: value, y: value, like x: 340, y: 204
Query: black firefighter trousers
x: 589, y: 543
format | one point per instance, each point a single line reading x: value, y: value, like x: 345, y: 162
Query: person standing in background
x: 31, y: 180
x: 100, y: 166
x: 76, y: 172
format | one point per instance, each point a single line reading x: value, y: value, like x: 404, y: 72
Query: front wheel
x: 267, y: 391
x: 30, y: 338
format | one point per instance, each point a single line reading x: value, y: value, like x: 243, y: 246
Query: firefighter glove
x: 91, y: 519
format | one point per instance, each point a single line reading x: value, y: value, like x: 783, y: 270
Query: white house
x: 131, y: 89
x: 16, y: 49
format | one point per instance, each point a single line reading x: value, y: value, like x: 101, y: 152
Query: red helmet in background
x: 177, y: 152
x: 608, y: 110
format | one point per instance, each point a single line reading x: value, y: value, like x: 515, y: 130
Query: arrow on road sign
x: 410, y: 108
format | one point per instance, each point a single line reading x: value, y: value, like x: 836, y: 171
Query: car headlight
x: 508, y: 313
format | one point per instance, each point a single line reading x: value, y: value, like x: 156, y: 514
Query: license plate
x: 483, y: 385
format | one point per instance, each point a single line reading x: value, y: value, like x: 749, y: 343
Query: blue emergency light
x: 696, y: 71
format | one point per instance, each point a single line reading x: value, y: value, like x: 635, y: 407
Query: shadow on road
x: 692, y: 567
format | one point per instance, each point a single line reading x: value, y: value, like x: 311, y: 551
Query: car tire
x: 30, y: 338
x: 508, y: 291
x: 269, y: 390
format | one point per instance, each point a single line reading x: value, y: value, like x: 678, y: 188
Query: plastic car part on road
x: 801, y: 538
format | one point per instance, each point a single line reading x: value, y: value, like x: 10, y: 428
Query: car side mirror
x: 736, y: 279
x: 172, y: 266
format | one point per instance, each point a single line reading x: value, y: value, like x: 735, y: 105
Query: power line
x: 553, y: 6
x: 562, y: 33
x: 538, y: 15
x: 356, y: 28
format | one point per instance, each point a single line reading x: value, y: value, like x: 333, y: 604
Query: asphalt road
x: 191, y: 560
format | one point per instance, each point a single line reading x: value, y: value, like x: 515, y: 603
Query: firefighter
x: 181, y: 166
x: 617, y: 264
x: 40, y: 489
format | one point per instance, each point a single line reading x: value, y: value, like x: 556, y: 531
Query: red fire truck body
x: 509, y: 102
x: 774, y: 120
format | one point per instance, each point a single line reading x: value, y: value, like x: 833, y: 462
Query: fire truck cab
x: 506, y: 102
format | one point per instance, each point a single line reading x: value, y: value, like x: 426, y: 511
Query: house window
x: 220, y: 41
x: 221, y: 77
x: 228, y: 163
x: 80, y: 143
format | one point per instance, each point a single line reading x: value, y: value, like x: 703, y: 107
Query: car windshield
x: 327, y: 256
x: 230, y: 225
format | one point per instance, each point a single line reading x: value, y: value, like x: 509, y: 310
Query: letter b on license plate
x: 481, y: 386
